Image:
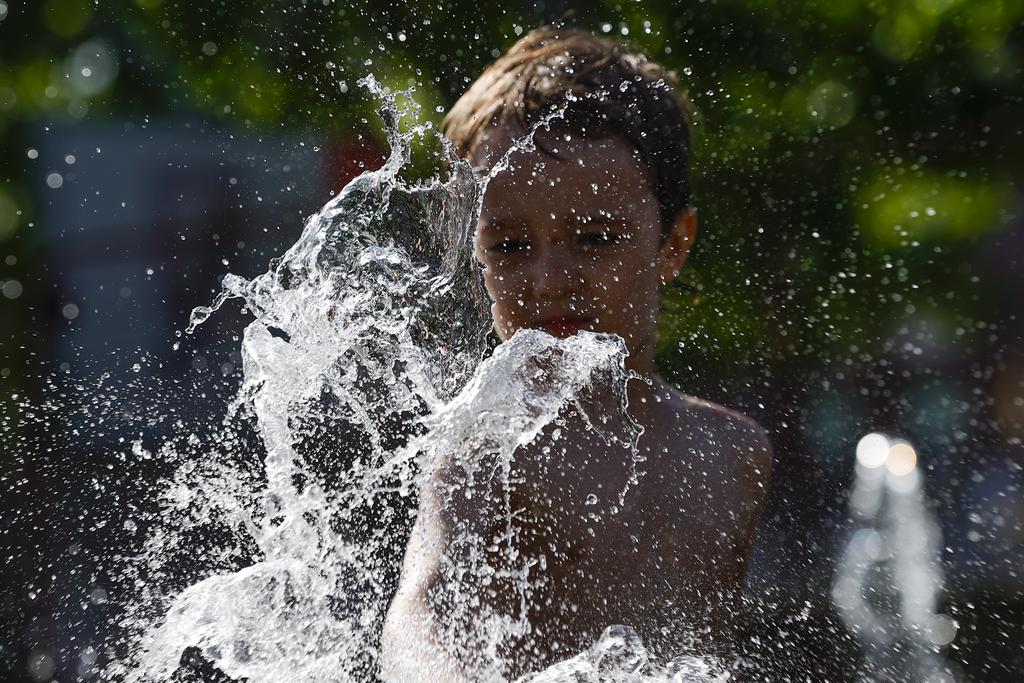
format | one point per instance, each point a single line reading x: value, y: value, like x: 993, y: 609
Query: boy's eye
x: 510, y: 246
x: 601, y: 239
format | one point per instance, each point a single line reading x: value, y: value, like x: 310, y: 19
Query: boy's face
x: 574, y: 242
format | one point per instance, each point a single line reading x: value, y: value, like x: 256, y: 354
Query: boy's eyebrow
x: 510, y: 221
x: 601, y: 217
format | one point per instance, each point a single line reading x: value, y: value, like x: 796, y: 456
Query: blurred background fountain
x: 889, y: 579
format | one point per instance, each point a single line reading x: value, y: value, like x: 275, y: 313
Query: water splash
x: 355, y: 321
x: 619, y: 655
x: 531, y: 383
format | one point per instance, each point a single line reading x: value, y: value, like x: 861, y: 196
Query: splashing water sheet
x: 367, y: 349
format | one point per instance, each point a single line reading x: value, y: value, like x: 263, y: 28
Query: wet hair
x: 606, y: 89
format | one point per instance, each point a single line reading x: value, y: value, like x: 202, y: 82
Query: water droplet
x: 140, y: 452
x: 11, y: 289
x: 69, y: 311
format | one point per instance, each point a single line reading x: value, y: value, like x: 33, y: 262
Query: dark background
x: 857, y: 165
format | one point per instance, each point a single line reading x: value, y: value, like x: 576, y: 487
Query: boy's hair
x: 606, y: 90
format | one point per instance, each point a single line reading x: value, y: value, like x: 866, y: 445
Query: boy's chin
x: 560, y: 329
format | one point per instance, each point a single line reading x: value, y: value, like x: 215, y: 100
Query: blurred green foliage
x: 848, y: 153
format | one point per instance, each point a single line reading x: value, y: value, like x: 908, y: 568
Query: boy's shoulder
x: 705, y: 481
x: 719, y: 438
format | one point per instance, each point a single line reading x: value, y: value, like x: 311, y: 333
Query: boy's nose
x: 555, y: 274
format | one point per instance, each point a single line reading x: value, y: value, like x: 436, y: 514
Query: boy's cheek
x: 499, y: 321
x: 505, y: 289
x: 504, y: 325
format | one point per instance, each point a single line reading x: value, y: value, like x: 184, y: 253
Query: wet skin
x: 567, y: 244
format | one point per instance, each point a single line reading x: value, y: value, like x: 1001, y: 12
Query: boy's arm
x: 410, y: 648
x: 430, y: 601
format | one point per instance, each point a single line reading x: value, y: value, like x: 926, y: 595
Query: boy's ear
x: 677, y: 245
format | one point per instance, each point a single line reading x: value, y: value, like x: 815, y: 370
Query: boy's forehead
x: 561, y: 159
x: 493, y: 144
x: 557, y: 143
x: 590, y: 178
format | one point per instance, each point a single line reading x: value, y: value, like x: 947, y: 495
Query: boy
x: 579, y: 234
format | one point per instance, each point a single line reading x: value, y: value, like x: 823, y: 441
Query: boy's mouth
x: 564, y: 325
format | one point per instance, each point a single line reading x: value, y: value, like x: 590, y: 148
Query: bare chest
x: 590, y: 512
